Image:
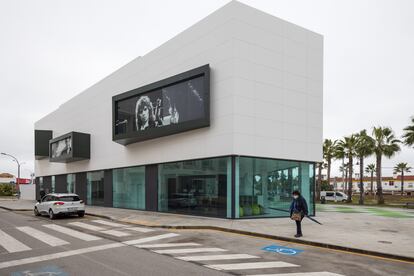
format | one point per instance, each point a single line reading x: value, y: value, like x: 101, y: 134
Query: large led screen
x: 173, y: 105
x: 61, y: 148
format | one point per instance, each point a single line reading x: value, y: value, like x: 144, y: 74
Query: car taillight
x: 81, y: 201
x: 59, y: 203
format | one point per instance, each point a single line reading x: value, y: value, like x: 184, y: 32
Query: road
x: 32, y: 245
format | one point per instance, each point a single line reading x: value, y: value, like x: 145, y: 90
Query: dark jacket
x: 299, y: 205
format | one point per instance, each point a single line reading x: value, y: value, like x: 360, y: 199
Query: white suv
x: 57, y: 204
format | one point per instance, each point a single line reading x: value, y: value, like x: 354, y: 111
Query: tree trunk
x: 345, y: 187
x: 402, y: 182
x: 329, y: 171
x: 319, y: 182
x: 349, y: 200
x: 379, y: 180
x: 372, y: 183
x: 361, y: 181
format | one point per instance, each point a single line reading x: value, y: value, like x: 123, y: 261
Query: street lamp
x: 18, y: 168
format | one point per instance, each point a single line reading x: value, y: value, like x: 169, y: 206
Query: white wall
x: 266, y: 95
x: 27, y: 192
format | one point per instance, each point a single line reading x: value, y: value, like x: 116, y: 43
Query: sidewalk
x: 361, y: 232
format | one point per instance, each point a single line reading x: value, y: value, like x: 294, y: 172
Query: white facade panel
x: 266, y: 100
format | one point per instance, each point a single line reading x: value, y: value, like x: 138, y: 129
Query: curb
x: 11, y: 209
x: 254, y: 234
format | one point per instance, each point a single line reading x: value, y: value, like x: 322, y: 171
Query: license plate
x: 72, y: 209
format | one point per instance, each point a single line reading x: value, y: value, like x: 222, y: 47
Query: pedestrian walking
x: 298, y: 209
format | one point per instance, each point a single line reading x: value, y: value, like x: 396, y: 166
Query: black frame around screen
x: 134, y: 136
x: 80, y: 147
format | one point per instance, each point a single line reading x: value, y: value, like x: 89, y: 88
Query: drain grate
x: 386, y: 242
x: 389, y: 231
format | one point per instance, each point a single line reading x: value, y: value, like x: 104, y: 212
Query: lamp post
x: 18, y: 168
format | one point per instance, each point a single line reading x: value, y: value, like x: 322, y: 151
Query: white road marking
x: 189, y: 250
x: 87, y: 226
x: 217, y: 257
x: 140, y: 229
x: 258, y: 265
x: 59, y: 255
x: 115, y: 233
x: 324, y: 273
x: 108, y: 223
x: 167, y: 244
x: 11, y: 244
x: 153, y: 238
x: 72, y: 233
x: 42, y: 236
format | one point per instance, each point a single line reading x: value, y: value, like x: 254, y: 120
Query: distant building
x: 7, y: 178
x: 389, y: 183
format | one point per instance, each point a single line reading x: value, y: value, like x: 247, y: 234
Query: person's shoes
x: 298, y: 235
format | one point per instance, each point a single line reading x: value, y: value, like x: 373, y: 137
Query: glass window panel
x: 129, y: 188
x: 95, y: 188
x: 264, y: 186
x: 53, y: 184
x: 197, y: 187
x: 70, y: 183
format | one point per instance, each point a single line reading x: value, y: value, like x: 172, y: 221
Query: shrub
x: 6, y: 189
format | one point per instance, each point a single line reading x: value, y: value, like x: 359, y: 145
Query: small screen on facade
x: 172, y: 105
x: 61, y: 148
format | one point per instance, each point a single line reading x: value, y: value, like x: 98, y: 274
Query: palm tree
x: 329, y: 148
x: 408, y: 135
x: 364, y: 148
x: 321, y: 166
x: 385, y: 144
x: 371, y: 169
x: 347, y: 148
x: 401, y: 168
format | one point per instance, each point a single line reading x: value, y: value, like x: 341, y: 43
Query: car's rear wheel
x: 51, y: 214
x: 36, y: 212
x: 81, y: 214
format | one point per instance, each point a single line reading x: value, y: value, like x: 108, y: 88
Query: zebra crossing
x: 216, y: 258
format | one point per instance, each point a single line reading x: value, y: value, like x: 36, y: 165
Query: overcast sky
x: 52, y: 50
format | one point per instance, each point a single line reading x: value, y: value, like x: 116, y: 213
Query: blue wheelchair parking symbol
x: 282, y: 250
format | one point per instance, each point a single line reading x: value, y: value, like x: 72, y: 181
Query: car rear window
x: 68, y: 198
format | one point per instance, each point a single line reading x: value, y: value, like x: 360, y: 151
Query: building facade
x: 223, y: 120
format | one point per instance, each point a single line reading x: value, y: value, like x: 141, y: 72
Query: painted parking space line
x: 161, y: 245
x: 140, y: 229
x: 11, y: 244
x: 115, y: 233
x: 322, y: 273
x: 189, y: 250
x: 72, y: 233
x: 217, y: 257
x: 87, y: 226
x: 148, y: 239
x: 257, y: 265
x: 42, y: 236
x: 59, y: 255
x: 108, y: 223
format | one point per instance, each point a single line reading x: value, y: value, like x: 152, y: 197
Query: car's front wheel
x: 51, y: 214
x: 36, y: 212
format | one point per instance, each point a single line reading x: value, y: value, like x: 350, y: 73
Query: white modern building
x: 224, y: 120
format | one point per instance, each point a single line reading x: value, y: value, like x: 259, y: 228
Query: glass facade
x: 53, y: 184
x: 197, y: 187
x: 264, y: 186
x: 129, y: 188
x: 95, y: 188
x: 70, y: 183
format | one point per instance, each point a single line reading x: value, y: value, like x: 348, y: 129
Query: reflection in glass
x: 265, y: 186
x: 129, y: 188
x: 198, y: 187
x: 53, y: 184
x: 95, y: 188
x: 70, y: 183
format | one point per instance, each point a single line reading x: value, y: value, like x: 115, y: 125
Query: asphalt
x: 354, y: 229
x: 130, y: 260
